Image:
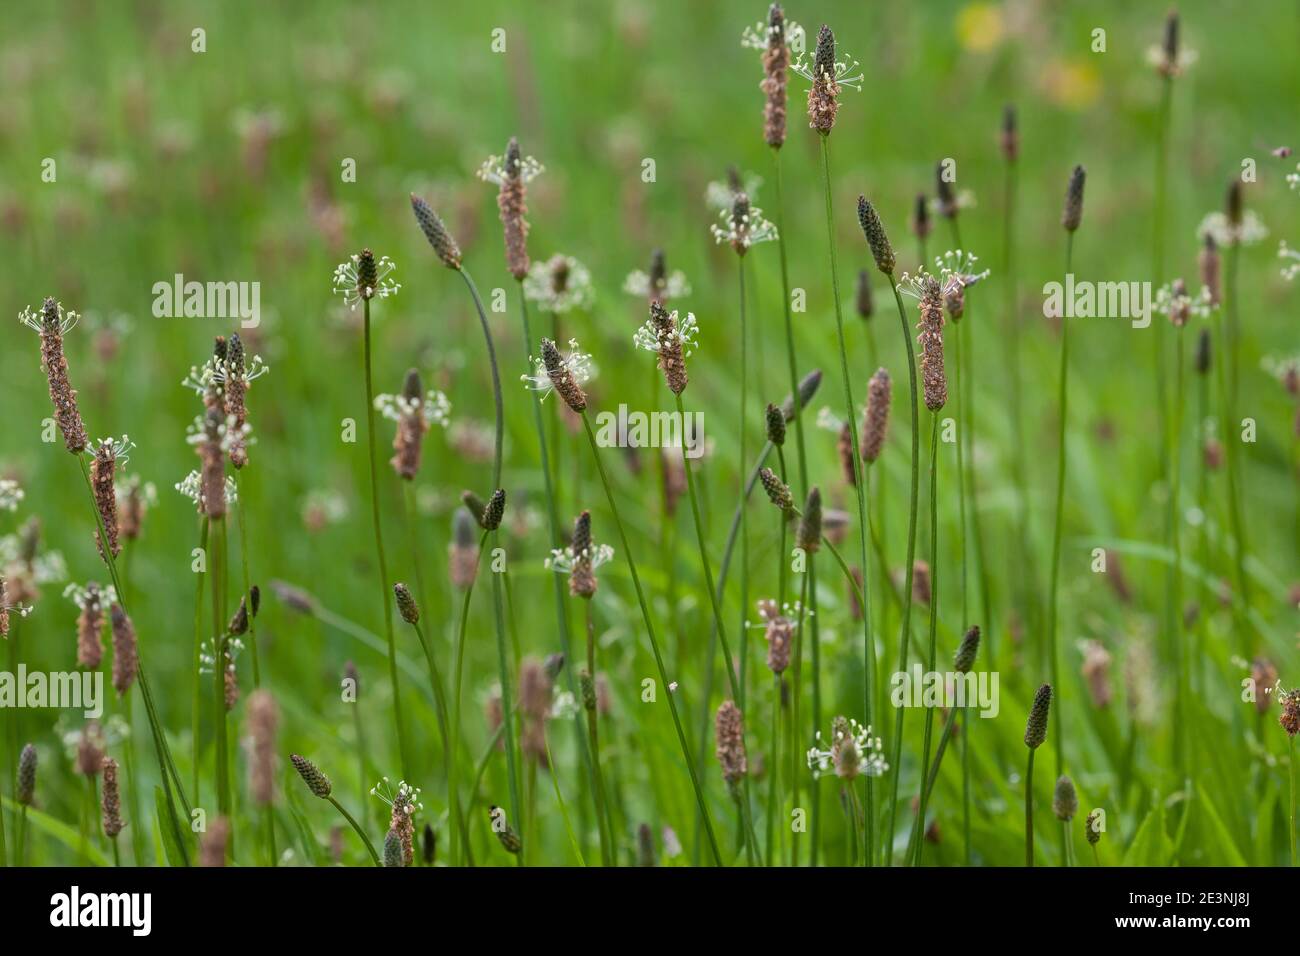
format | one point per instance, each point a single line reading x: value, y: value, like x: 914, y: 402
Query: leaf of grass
x: 59, y: 831
x: 170, y: 847
x: 1150, y: 846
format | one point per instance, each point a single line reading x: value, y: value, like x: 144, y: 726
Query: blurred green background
x: 226, y: 165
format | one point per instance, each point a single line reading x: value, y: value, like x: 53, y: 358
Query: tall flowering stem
x: 1071, y: 219
x: 455, y: 811
x: 905, y: 627
x: 398, y: 721
x: 859, y: 483
x: 1024, y: 562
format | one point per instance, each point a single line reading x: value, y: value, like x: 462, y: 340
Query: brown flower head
x: 776, y: 63
x: 511, y: 175
x: 124, y: 650
x: 263, y: 720
x: 111, y: 801
x: 564, y: 374
x: 729, y: 730
x: 582, y: 574
x: 930, y: 338
x: 212, y: 465
x: 862, y: 299
x: 1203, y: 354
x: 964, y: 659
x: 1073, y: 214
x: 1208, y: 265
x: 874, y: 231
x: 1065, y: 801
x: 922, y: 225
x: 1036, y: 727
x: 921, y: 588
x: 1010, y: 138
x: 775, y: 425
x: 432, y: 226
x: 52, y: 323
x: 90, y: 750
x: 875, y: 422
x: 1096, y: 673
x: 237, y: 377
x: 809, y: 536
x: 945, y: 195
x: 406, y: 605
x: 823, y: 96
x: 1290, y: 717
x: 462, y: 553
x: 317, y: 782
x: 808, y: 386
x: 212, y: 846
x: 1264, y: 676
x: 844, y: 446
x: 778, y: 492
x: 90, y: 627
x: 662, y: 334
x: 103, y: 469
x: 133, y: 500
x: 780, y: 638
x: 26, y: 789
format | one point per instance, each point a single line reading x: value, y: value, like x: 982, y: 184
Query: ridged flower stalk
x: 825, y: 85
x: 1022, y: 558
x: 883, y: 254
x: 1070, y: 220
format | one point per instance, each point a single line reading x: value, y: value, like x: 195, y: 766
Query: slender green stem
x: 196, y: 708
x: 1024, y: 561
x: 435, y: 675
x: 654, y: 643
x: 221, y: 757
x: 789, y: 329
x: 796, y: 710
x: 435, y: 683
x: 859, y: 484
x: 1227, y: 374
x: 269, y: 814
x: 1067, y: 843
x: 117, y: 858
x: 356, y: 826
x: 732, y: 680
x: 403, y: 752
x: 1291, y: 763
x: 744, y: 512
x: 593, y: 738
x: 453, y: 794
x: 905, y: 636
x: 496, y: 377
x: 243, y: 561
x: 20, y: 851
x: 504, y: 672
x: 965, y: 783
x: 1029, y: 810
x: 931, y: 662
x: 774, y: 774
x: 931, y: 775
x: 1053, y: 590
x: 1174, y: 603
x: 559, y: 800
